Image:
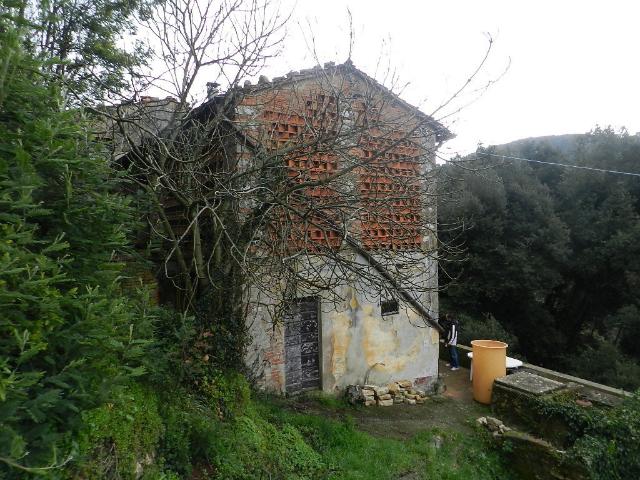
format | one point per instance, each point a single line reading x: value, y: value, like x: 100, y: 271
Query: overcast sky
x: 571, y: 64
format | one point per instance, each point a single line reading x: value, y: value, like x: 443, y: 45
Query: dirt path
x: 455, y: 410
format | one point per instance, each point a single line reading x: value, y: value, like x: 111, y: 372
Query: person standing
x: 451, y: 340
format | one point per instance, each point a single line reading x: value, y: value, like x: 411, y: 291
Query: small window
x: 389, y: 307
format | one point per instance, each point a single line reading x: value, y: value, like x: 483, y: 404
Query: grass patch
x: 327, y: 400
x: 349, y: 454
x: 186, y: 434
x: 460, y: 456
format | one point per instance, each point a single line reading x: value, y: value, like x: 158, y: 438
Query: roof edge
x: 442, y: 133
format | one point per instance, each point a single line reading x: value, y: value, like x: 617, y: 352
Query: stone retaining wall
x: 605, y: 390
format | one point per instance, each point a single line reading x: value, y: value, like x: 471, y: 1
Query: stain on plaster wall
x: 340, y: 341
x: 389, y: 348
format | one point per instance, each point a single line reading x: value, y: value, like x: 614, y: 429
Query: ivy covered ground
x: 176, y: 435
x: 228, y: 432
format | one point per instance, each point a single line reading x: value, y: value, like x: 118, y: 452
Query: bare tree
x: 345, y: 171
x: 300, y: 184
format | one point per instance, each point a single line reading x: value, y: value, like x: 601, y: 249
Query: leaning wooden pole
x: 384, y: 273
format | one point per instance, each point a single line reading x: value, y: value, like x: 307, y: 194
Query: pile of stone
x: 394, y: 393
x: 493, y: 425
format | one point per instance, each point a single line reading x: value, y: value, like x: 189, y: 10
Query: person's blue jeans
x: 453, y: 353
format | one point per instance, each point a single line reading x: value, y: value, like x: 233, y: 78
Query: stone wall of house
x: 290, y: 111
x: 265, y: 355
x: 360, y: 346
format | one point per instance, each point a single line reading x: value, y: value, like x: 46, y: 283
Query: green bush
x: 195, y: 420
x: 251, y: 447
x: 221, y: 319
x: 192, y: 427
x: 171, y: 359
x: 604, y: 439
x: 227, y: 392
x: 610, y: 446
x: 176, y: 446
x: 241, y: 445
x: 602, y: 361
x: 67, y: 334
x: 486, y: 328
x: 117, y: 437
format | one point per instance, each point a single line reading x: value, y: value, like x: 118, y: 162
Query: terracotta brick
x: 391, y: 163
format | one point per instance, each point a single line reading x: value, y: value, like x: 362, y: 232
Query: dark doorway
x: 302, y: 345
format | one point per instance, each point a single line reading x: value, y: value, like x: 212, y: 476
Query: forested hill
x: 546, y: 256
x: 564, y: 144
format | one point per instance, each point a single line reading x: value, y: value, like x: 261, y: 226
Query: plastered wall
x: 357, y: 343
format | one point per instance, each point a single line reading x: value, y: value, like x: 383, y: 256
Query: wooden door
x: 302, y: 345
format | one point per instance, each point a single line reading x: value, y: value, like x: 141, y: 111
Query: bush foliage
x: 67, y: 334
x: 605, y: 440
x: 119, y: 435
x: 487, y: 327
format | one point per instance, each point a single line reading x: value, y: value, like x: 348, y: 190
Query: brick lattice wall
x: 388, y: 183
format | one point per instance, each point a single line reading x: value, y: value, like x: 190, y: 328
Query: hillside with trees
x: 550, y: 254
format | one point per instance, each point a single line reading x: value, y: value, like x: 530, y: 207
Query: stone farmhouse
x: 364, y: 216
x: 371, y: 334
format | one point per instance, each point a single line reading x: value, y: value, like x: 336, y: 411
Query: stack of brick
x: 376, y: 395
x: 404, y: 392
x: 394, y: 393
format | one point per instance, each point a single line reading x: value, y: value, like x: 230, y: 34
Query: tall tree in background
x: 87, y: 45
x: 553, y: 251
x: 513, y: 243
x: 602, y: 212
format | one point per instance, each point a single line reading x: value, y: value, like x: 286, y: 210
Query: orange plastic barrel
x: 489, y: 363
